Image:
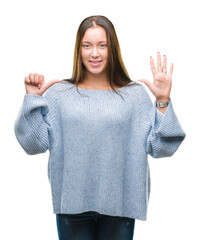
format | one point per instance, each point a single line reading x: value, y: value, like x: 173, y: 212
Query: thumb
x: 50, y: 83
x: 145, y: 81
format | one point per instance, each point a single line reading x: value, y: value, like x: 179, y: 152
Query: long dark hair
x: 117, y: 73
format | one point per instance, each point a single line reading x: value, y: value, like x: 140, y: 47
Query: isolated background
x: 39, y: 36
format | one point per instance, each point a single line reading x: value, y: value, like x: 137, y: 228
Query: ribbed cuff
x: 34, y: 101
x: 167, y: 124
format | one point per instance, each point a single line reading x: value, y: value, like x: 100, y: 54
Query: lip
x: 95, y: 62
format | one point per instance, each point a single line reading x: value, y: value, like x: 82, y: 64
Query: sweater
x: 98, y: 145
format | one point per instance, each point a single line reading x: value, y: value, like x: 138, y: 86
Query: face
x: 94, y: 51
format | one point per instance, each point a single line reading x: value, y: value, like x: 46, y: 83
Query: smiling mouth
x: 95, y: 63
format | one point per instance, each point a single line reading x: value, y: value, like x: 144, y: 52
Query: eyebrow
x: 90, y: 42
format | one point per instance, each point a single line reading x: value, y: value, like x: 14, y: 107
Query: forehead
x: 95, y: 34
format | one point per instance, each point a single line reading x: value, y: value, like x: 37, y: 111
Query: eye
x: 86, y: 45
x: 103, y: 45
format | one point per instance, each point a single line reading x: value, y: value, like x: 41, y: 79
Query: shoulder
x: 141, y: 90
x: 137, y: 87
x: 142, y: 94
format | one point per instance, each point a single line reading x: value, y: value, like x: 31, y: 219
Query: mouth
x: 95, y: 63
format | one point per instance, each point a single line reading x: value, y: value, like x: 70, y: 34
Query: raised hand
x: 162, y: 81
x: 35, y: 84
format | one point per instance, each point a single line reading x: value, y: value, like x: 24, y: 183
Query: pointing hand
x: 35, y: 84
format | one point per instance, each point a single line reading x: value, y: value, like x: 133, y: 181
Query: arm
x: 33, y: 125
x: 161, y: 127
x: 162, y: 133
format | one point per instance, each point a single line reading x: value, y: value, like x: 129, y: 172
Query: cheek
x: 105, y: 55
x: 84, y: 55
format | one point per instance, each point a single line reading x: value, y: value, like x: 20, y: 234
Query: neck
x: 96, y: 81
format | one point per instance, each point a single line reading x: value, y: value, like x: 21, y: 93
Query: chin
x: 97, y: 71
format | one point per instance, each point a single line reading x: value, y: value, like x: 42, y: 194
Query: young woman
x: 99, y: 127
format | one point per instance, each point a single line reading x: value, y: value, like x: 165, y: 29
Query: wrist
x: 163, y: 99
x: 162, y: 103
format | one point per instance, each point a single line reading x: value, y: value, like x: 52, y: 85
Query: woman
x: 99, y: 127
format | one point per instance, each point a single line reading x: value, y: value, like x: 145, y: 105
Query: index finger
x: 41, y: 78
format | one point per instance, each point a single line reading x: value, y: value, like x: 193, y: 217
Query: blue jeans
x: 94, y: 226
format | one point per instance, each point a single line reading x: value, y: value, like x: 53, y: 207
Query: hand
x: 35, y: 84
x: 162, y: 81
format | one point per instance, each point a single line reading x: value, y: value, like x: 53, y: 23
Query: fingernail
x: 164, y: 55
x: 158, y: 52
x: 150, y: 56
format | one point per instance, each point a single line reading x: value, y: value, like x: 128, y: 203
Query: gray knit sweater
x: 98, y: 145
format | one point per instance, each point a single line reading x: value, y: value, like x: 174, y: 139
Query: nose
x: 94, y: 52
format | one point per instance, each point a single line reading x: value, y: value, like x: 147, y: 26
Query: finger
x: 36, y: 78
x: 159, y: 67
x: 40, y: 81
x: 164, y: 64
x: 31, y: 77
x: 27, y: 80
x: 41, y: 78
x: 171, y: 70
x: 149, y: 84
x: 153, y: 69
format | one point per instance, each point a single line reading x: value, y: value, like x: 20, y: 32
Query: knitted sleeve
x: 33, y: 125
x: 162, y: 133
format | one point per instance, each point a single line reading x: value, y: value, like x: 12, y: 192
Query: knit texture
x: 98, y: 145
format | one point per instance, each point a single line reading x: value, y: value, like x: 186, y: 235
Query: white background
x: 39, y: 36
